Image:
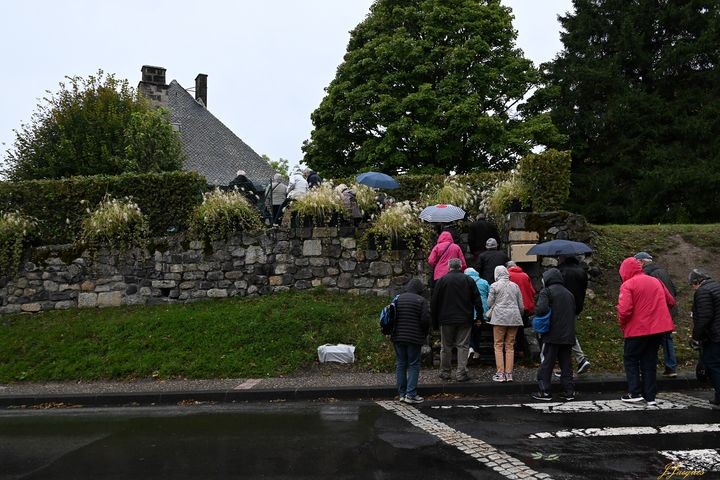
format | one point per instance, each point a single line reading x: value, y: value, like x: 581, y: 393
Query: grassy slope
x: 266, y: 336
x: 279, y: 334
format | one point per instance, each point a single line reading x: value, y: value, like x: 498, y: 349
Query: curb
x: 305, y: 394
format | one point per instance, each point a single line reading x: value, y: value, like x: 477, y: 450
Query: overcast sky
x: 267, y: 61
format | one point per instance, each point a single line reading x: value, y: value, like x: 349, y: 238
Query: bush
x: 116, y: 224
x: 166, y: 200
x: 320, y: 204
x: 507, y: 194
x: 546, y: 179
x: 366, y: 198
x: 15, y: 229
x: 223, y: 214
x: 397, y: 224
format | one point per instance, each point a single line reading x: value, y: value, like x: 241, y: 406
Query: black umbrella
x: 555, y: 248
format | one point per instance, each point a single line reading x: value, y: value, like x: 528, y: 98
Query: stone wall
x: 277, y: 260
x: 178, y: 271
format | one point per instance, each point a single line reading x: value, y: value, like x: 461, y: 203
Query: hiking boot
x: 583, y: 366
x: 567, y: 396
x: 629, y: 397
x: 463, y: 378
x: 414, y: 399
x: 498, y: 377
x: 545, y: 397
x: 670, y: 372
x: 445, y: 376
x: 557, y: 373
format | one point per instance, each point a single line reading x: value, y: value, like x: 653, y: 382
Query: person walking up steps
x: 706, y: 326
x: 412, y: 322
x: 575, y: 279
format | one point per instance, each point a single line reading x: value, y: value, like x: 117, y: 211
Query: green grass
x: 255, y: 337
x: 279, y: 334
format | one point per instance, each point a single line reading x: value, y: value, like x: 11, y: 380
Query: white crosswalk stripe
x: 619, y: 431
x: 691, y: 463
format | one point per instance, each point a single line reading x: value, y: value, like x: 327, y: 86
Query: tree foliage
x: 427, y: 86
x: 637, y: 91
x: 94, y: 125
x: 281, y: 165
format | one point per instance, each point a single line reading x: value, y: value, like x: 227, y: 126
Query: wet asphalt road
x: 595, y: 437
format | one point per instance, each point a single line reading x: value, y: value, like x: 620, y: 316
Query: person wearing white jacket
x: 506, y: 307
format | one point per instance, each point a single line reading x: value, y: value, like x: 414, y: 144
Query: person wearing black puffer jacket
x: 706, y: 325
x: 412, y: 323
x: 558, y: 342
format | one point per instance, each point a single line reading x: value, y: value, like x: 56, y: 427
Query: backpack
x: 541, y: 323
x: 387, y: 317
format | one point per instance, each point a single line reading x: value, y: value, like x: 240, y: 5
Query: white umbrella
x: 442, y: 213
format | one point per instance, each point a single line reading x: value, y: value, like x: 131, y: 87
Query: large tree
x: 427, y: 85
x: 637, y: 90
x: 94, y: 125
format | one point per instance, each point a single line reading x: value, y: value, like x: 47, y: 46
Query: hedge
x: 166, y: 199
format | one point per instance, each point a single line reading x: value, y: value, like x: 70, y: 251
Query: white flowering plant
x: 366, y: 198
x: 223, y: 214
x: 321, y: 204
x: 114, y: 223
x: 455, y: 193
x: 400, y: 223
x: 15, y: 231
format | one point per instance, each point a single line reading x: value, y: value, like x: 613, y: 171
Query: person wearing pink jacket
x: 442, y: 252
x: 644, y: 315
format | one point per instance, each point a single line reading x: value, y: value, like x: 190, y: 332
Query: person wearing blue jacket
x: 484, y: 289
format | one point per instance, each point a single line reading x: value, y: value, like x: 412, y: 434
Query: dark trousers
x: 549, y: 354
x: 640, y: 359
x: 711, y: 359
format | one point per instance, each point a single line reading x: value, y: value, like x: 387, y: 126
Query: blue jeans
x: 711, y: 360
x: 407, y: 369
x: 640, y: 359
x: 668, y: 351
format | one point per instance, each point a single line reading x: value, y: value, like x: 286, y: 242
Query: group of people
x: 278, y: 193
x: 500, y: 293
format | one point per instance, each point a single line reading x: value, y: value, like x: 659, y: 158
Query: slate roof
x: 211, y: 148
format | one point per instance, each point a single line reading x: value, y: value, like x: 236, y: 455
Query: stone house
x: 210, y: 148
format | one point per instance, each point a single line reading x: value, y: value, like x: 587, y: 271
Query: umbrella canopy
x: 377, y: 180
x: 442, y: 213
x: 554, y: 248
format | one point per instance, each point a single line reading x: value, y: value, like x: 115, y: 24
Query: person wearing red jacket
x: 644, y: 315
x: 522, y: 280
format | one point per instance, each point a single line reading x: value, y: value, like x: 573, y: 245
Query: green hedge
x: 546, y: 177
x: 166, y: 199
x: 412, y: 187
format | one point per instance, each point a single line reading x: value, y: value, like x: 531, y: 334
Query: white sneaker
x: 471, y: 352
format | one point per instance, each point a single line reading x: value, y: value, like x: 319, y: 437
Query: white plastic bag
x: 340, y: 353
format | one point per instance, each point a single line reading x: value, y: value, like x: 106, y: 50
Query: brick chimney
x: 201, y: 88
x: 153, y: 86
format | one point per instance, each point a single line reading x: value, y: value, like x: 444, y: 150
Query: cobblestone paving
x: 484, y: 453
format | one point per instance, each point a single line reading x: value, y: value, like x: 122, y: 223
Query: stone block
x: 276, y: 280
x: 280, y: 269
x: 109, y: 299
x: 234, y: 275
x: 347, y: 265
x: 382, y: 283
x: 238, y: 252
x: 333, y: 271
x: 324, y: 232
x: 87, y: 286
x: 255, y: 254
x: 30, y: 307
x: 345, y: 280
x: 64, y: 305
x: 348, y: 243
x: 9, y: 309
x: 216, y: 275
x: 363, y: 282
x: 319, y: 262
x: 102, y: 288
x: 187, y: 285
x: 302, y: 262
x: 217, y: 293
x: 164, y: 283
x: 380, y: 269
x: 523, y: 236
x: 312, y: 248
x: 316, y: 282
x: 329, y: 282
x: 176, y: 268
x: 518, y: 252
x: 133, y: 300
x: 87, y: 300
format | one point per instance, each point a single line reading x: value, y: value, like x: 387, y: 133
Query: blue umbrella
x: 554, y: 248
x: 377, y: 180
